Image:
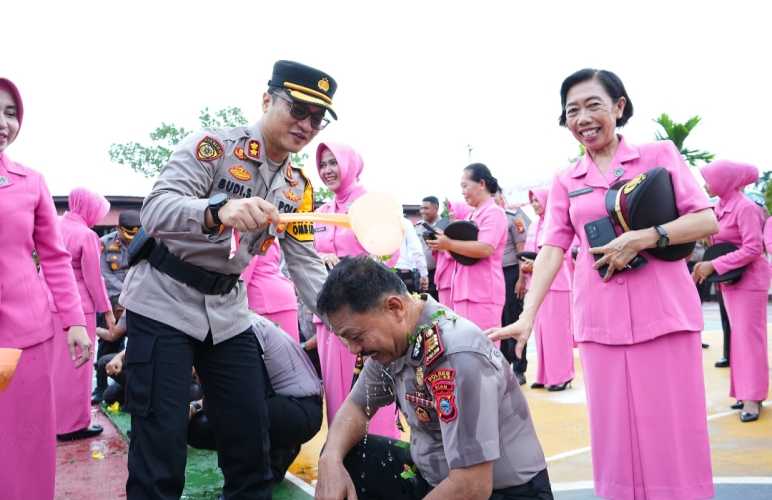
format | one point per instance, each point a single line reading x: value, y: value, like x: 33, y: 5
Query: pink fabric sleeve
x: 92, y: 274
x: 246, y: 274
x: 559, y: 231
x: 55, y: 260
x: 493, y: 224
x: 688, y: 194
x: 749, y: 224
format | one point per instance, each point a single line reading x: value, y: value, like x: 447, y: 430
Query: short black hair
x: 359, y: 283
x: 479, y: 172
x: 611, y: 83
x: 433, y: 200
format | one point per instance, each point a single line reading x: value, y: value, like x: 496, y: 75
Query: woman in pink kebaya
x: 741, y: 223
x: 339, y: 167
x: 28, y: 222
x: 270, y: 293
x: 477, y: 290
x: 72, y: 386
x: 554, y: 338
x: 638, y: 330
x: 457, y: 210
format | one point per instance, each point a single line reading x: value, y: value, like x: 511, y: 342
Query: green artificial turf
x: 203, y: 479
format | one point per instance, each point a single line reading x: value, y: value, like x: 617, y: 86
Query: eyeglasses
x: 300, y: 111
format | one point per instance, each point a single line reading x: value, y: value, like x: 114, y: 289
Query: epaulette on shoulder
x: 434, y: 348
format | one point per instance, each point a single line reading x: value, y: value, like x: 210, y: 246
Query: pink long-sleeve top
x: 268, y: 290
x: 28, y: 222
x: 638, y: 305
x: 740, y: 222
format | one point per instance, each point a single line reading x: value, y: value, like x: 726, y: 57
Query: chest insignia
x: 290, y: 195
x: 240, y: 173
x: 423, y: 415
x: 208, y: 149
x: 239, y: 153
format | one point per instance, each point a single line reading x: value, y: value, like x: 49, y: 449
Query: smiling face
x: 379, y: 332
x: 329, y: 170
x: 284, y: 134
x: 429, y: 211
x: 591, y: 114
x: 474, y: 192
x: 9, y: 119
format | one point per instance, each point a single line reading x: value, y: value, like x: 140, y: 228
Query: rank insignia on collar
x: 253, y: 149
x: 289, y: 177
x: 240, y: 173
x: 239, y: 153
x: 433, y: 346
x: 446, y: 406
x: 208, y: 149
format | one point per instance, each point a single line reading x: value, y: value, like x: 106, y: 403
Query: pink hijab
x: 460, y: 210
x: 726, y: 177
x: 350, y: 166
x: 8, y: 85
x: 541, y: 196
x: 90, y: 206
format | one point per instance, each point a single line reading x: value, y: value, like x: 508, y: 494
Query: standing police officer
x: 208, y: 214
x: 472, y: 437
x: 114, y: 264
x: 430, y: 214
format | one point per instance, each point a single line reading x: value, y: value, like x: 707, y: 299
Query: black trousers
x: 513, y: 307
x: 725, y: 326
x: 376, y: 468
x: 158, y: 366
x: 293, y: 421
x: 433, y: 286
x: 103, y: 349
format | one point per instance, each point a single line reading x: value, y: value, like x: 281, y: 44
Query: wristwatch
x: 664, y: 239
x: 216, y: 202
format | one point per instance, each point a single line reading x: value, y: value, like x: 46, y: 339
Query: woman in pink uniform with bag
x: 554, y: 337
x: 72, y: 386
x: 270, y: 293
x: 477, y: 290
x: 339, y: 167
x: 741, y: 223
x: 443, y: 274
x: 28, y: 222
x: 638, y: 330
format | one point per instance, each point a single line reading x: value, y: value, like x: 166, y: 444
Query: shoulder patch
x: 446, y: 406
x: 208, y: 149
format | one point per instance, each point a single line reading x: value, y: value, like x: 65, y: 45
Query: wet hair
x: 359, y: 283
x: 610, y: 82
x: 479, y: 172
x: 433, y: 200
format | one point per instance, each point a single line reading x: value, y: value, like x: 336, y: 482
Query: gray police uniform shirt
x: 209, y: 162
x: 517, y: 230
x: 440, y: 224
x: 479, y: 416
x: 288, y: 366
x: 114, y: 262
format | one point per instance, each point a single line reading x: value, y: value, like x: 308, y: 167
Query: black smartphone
x: 429, y: 232
x: 600, y: 232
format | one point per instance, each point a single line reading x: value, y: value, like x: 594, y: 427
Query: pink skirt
x: 337, y: 364
x: 554, y: 339
x: 648, y: 419
x: 287, y: 321
x: 27, y: 428
x: 72, y: 386
x: 482, y: 314
x: 748, y: 358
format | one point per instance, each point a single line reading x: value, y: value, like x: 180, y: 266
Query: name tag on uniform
x: 580, y: 192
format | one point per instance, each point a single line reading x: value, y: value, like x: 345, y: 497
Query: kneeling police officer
x: 208, y: 213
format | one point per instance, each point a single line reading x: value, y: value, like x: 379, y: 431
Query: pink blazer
x: 83, y: 245
x: 28, y: 222
x: 268, y: 290
x: 634, y: 306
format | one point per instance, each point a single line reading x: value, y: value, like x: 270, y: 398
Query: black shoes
x: 86, y: 433
x: 520, y: 378
x: 738, y: 405
x: 537, y: 385
x: 705, y: 346
x: 722, y: 363
x: 747, y: 416
x: 560, y: 387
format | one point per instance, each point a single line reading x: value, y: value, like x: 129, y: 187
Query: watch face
x: 218, y: 199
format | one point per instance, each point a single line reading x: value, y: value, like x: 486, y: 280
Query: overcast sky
x: 418, y: 81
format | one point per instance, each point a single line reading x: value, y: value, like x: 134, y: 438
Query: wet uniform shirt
x: 288, y: 366
x: 517, y: 230
x: 230, y: 161
x: 114, y: 262
x: 461, y: 400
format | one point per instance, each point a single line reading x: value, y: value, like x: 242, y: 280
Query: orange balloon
x: 9, y: 358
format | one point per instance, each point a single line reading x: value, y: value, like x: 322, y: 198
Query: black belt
x: 206, y: 282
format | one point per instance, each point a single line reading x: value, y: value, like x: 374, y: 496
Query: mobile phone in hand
x: 601, y: 232
x: 429, y: 232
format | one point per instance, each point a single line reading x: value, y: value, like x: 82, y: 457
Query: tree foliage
x: 678, y: 132
x: 148, y: 159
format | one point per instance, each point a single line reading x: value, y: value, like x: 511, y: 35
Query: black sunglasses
x: 300, y: 111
